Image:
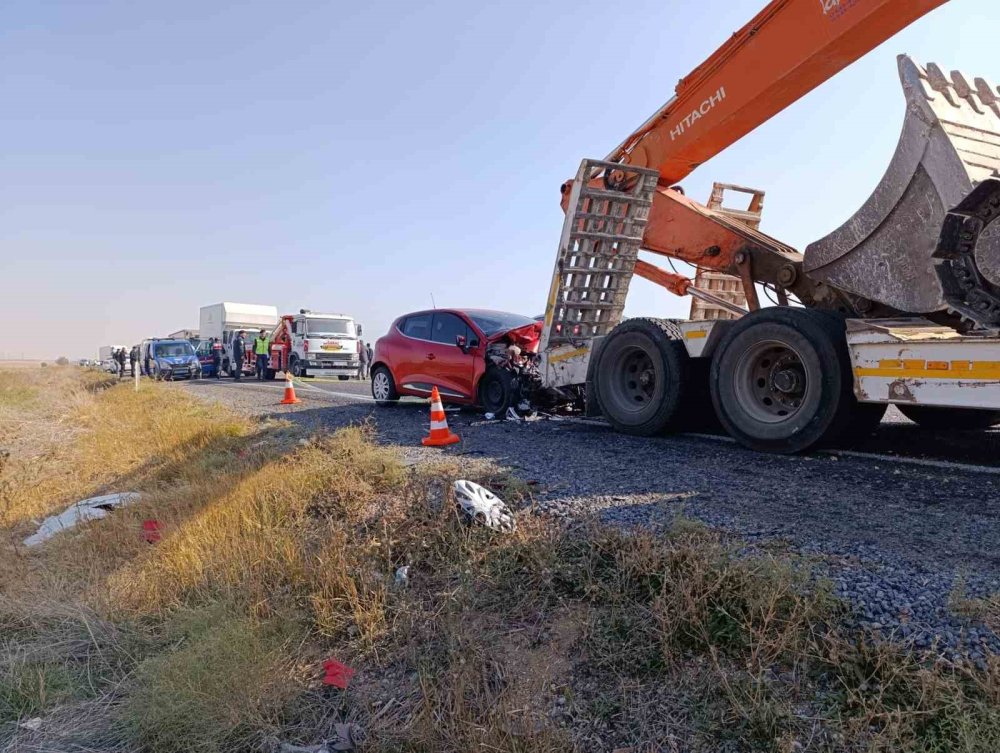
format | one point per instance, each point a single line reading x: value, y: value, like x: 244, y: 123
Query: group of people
x: 120, y: 355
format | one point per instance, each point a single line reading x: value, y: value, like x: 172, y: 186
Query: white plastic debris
x: 512, y: 414
x: 402, y: 579
x: 32, y: 724
x: 481, y: 505
x: 489, y: 416
x: 93, y: 508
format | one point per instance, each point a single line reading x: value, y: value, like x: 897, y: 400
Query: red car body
x: 446, y: 348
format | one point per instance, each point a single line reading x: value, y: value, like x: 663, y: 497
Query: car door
x: 408, y: 358
x: 452, y: 368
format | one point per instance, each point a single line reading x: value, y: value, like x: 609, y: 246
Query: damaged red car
x: 473, y: 357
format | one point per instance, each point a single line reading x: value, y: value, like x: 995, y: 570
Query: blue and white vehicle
x: 169, y: 359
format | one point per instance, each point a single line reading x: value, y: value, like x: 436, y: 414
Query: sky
x: 365, y: 157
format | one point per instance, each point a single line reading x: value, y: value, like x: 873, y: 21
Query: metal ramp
x: 600, y: 242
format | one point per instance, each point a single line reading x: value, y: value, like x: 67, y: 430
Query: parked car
x: 169, y: 359
x: 473, y: 357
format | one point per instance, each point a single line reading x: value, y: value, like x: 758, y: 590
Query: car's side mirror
x: 460, y: 341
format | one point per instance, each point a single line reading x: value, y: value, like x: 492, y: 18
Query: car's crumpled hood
x: 526, y: 337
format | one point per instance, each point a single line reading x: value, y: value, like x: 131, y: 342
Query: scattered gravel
x: 898, y: 541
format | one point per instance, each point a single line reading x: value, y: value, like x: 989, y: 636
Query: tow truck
x: 313, y: 344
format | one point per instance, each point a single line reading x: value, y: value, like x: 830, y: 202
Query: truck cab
x: 314, y: 344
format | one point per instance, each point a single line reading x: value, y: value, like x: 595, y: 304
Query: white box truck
x: 223, y: 320
x: 106, y: 357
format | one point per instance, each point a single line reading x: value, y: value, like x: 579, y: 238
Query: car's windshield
x: 173, y: 350
x: 493, y: 322
x: 331, y: 327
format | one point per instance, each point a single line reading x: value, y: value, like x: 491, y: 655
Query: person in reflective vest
x: 261, y: 349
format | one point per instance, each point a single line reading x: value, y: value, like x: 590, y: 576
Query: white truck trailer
x: 224, y: 320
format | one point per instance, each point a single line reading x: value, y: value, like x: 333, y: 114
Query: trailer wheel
x: 642, y: 377
x: 781, y: 380
x: 959, y: 419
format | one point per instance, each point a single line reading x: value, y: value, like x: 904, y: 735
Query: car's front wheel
x: 496, y: 391
x: 384, y: 386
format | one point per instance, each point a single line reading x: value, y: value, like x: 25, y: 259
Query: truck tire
x: 958, y: 419
x: 496, y: 391
x: 642, y: 377
x: 342, y: 377
x: 295, y: 366
x: 384, y: 387
x: 781, y: 380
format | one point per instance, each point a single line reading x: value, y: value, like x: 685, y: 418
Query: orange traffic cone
x: 289, y: 398
x: 440, y: 433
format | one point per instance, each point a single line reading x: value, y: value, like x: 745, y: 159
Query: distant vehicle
x: 169, y: 359
x: 465, y: 353
x: 223, y: 320
x: 106, y: 352
x: 313, y: 344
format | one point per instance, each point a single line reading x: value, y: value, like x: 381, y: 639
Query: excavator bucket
x: 923, y: 242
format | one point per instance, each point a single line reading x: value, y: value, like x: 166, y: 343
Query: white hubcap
x: 380, y: 386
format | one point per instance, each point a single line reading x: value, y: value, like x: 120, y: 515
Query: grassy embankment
x: 277, y: 554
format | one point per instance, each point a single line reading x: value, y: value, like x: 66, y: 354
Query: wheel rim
x: 380, y: 386
x: 634, y: 383
x: 770, y: 382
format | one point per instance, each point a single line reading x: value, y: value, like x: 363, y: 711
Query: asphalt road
x: 894, y: 521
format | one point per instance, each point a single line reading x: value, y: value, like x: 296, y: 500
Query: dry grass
x: 277, y: 554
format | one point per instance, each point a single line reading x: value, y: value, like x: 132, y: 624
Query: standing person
x: 371, y: 355
x: 217, y: 356
x: 261, y: 348
x: 120, y: 357
x: 239, y: 346
x: 133, y: 358
x: 363, y: 360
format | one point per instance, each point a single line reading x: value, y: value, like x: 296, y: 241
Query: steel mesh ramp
x: 600, y: 242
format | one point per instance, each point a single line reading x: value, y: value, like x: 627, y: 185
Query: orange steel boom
x: 790, y: 48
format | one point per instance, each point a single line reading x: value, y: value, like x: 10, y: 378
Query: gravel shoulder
x: 900, y: 541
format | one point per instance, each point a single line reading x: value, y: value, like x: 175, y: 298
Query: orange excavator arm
x: 786, y: 51
x: 789, y: 49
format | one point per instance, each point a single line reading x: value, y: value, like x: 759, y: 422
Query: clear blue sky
x: 359, y: 156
